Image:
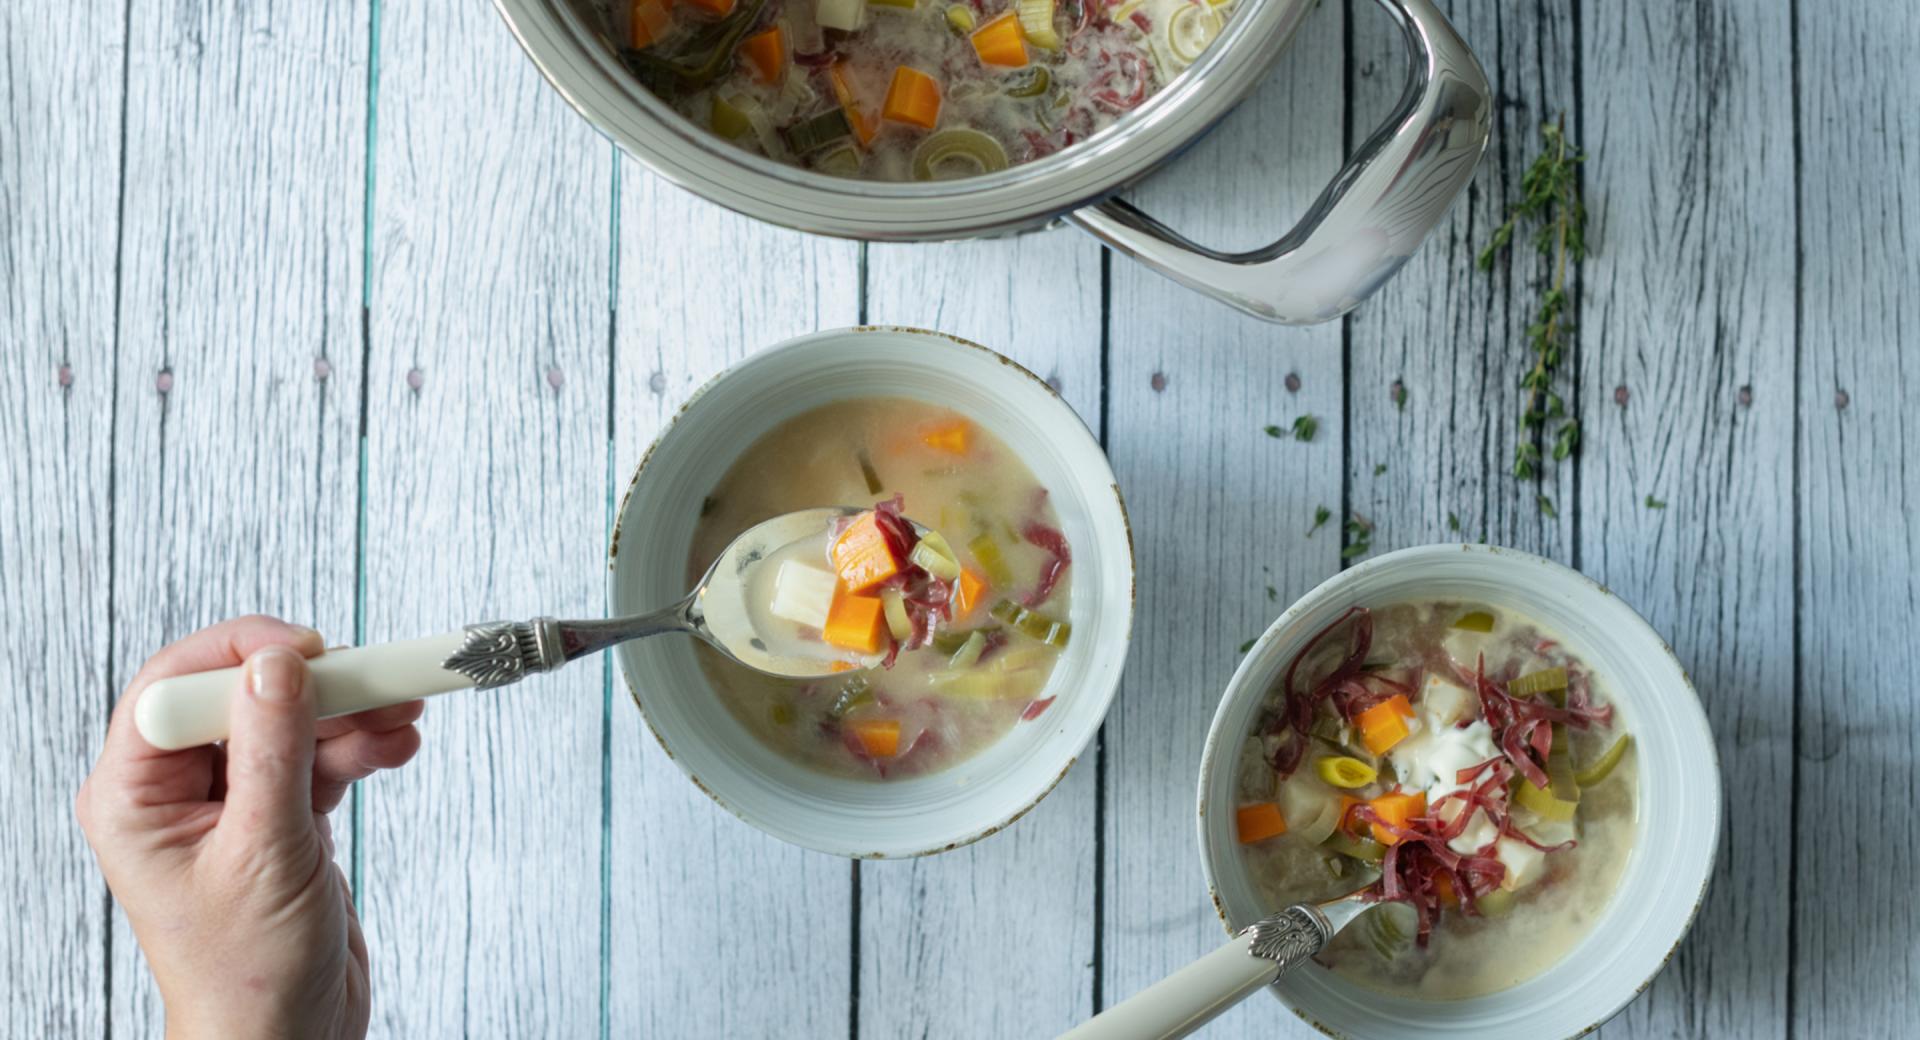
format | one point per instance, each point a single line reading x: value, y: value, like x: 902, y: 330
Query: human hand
x: 222, y: 855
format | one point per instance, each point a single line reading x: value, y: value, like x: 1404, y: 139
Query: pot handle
x: 1377, y: 211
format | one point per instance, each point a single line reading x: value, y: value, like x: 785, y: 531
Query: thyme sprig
x: 1550, y: 197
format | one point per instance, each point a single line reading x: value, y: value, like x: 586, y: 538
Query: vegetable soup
x: 1463, y: 762
x: 909, y: 89
x: 949, y: 631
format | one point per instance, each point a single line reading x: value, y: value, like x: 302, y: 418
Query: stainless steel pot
x: 1367, y: 222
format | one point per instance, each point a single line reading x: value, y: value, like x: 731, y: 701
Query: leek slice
x: 1477, y: 621
x: 894, y: 605
x: 969, y: 653
x: 972, y: 150
x: 1190, y: 31
x: 1561, y: 797
x: 935, y: 556
x: 1390, y: 929
x: 857, y: 693
x: 960, y: 19
x: 972, y: 684
x: 1311, y: 811
x: 1036, y: 23
x: 845, y: 15
x: 1365, y: 850
x: 1033, y: 626
x: 987, y: 551
x: 728, y: 121
x: 1341, y: 771
x: 813, y: 134
x: 898, y: 5
x: 1603, y: 767
x: 1545, y: 680
x: 1495, y: 903
x: 1038, y: 80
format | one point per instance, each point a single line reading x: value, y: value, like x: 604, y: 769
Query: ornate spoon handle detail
x: 1190, y: 998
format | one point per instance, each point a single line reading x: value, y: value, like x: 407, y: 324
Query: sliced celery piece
x: 969, y: 653
x: 1364, y: 849
x: 1603, y: 767
x: 1477, y: 621
x: 1032, y: 625
x: 985, y: 549
x: 1545, y: 680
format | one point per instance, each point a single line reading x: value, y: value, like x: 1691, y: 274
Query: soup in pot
x: 947, y: 632
x: 1462, y: 764
x: 909, y: 89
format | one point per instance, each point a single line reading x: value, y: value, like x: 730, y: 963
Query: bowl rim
x: 1243, y: 679
x: 1103, y: 476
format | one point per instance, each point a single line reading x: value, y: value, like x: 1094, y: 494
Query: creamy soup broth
x: 1526, y: 929
x: 957, y: 478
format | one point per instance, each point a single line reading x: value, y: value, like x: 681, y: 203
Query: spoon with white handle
x: 190, y: 710
x: 1191, y: 997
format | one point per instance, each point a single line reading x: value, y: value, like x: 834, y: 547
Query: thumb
x: 270, y: 750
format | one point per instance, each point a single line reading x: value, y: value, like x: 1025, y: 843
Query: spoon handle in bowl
x: 189, y: 710
x: 1191, y: 997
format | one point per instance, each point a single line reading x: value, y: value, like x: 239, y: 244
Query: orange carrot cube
x: 716, y: 8
x: 1397, y: 808
x: 913, y: 98
x: 970, y: 594
x: 1000, y: 42
x: 1385, y: 724
x: 765, y: 52
x: 863, y: 556
x: 879, y: 738
x: 951, y: 437
x: 857, y: 623
x: 1259, y: 822
x: 649, y: 20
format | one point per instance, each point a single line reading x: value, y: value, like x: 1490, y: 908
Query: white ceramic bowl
x: 1678, y: 797
x: 648, y: 567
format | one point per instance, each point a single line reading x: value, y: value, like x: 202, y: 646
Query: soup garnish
x: 948, y: 634
x: 1464, y: 761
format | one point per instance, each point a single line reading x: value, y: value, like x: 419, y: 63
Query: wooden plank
x: 1191, y: 386
x: 1688, y: 301
x: 699, y: 902
x: 1453, y: 337
x: 1853, y: 964
x: 934, y: 932
x: 486, y: 498
x: 239, y: 340
x: 60, y: 76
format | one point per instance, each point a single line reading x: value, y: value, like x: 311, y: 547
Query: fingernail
x: 274, y: 674
x: 303, y: 634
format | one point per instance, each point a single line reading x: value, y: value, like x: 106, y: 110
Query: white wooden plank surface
x: 1452, y: 336
x: 1220, y: 510
x: 485, y: 498
x: 999, y: 935
x: 235, y: 482
x: 511, y: 890
x: 1689, y: 299
x: 1854, y: 964
x: 715, y: 929
x: 59, y: 195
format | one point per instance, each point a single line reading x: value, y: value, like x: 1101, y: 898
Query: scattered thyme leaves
x: 1305, y: 427
x: 1550, y: 200
x: 1453, y: 522
x: 1272, y: 593
x: 1399, y: 394
x: 1248, y: 645
x: 1321, y: 514
x: 1274, y: 432
x: 1655, y: 503
x: 1546, y: 508
x: 1379, y: 468
x: 1359, y: 537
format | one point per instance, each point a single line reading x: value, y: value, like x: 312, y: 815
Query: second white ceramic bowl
x: 648, y: 567
x: 1678, y: 797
